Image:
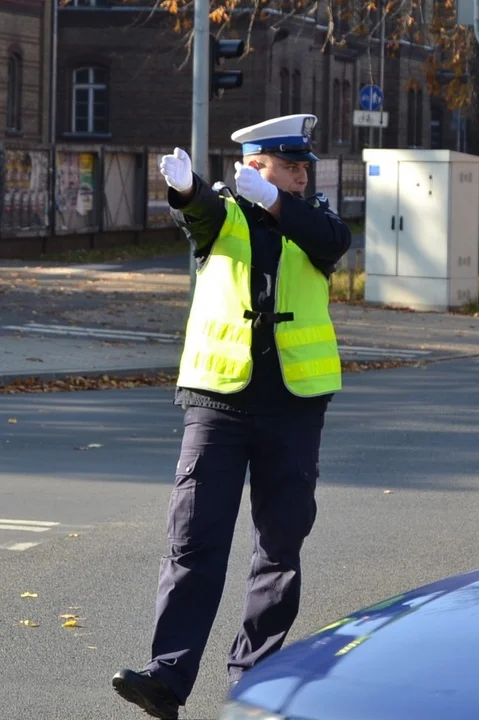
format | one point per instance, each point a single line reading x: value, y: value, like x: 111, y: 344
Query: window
x: 336, y: 111
x: 436, y: 125
x: 284, y: 92
x: 14, y: 93
x: 87, y: 4
x: 418, y: 12
x: 296, y: 98
x: 342, y: 13
x: 414, y: 119
x: 341, y: 111
x: 346, y: 112
x: 90, y: 102
x: 419, y: 118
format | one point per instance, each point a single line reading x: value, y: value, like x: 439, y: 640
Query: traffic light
x: 221, y: 80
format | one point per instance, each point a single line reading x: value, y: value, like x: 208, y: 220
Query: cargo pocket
x: 181, y: 508
x: 308, y: 476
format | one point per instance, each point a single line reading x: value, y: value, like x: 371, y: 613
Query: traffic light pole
x: 200, y: 115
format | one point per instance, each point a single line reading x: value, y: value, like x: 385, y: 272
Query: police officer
x: 259, y: 367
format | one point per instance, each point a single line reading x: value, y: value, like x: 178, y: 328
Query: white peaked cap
x: 288, y: 136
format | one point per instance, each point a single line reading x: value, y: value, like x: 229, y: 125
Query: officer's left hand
x: 251, y: 186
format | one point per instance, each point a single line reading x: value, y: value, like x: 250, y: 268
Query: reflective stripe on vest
x: 217, y: 353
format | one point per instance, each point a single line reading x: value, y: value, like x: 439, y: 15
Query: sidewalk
x: 442, y: 334
x: 53, y: 358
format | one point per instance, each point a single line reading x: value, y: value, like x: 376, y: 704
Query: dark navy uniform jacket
x: 308, y: 223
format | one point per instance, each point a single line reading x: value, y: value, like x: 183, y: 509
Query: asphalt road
x: 413, y: 431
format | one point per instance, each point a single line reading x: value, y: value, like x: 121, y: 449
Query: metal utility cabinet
x: 422, y: 228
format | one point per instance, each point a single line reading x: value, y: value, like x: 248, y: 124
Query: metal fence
x: 344, y: 182
x: 342, y: 179
x: 80, y: 189
x: 73, y: 189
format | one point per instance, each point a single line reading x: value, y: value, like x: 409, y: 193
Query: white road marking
x: 95, y: 333
x: 42, y: 523
x: 18, y: 527
x: 23, y: 528
x: 362, y: 351
x: 100, y: 330
x: 19, y: 547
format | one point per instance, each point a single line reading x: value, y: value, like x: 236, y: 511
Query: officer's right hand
x: 176, y: 170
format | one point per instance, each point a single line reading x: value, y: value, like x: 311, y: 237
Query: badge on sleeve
x: 320, y: 200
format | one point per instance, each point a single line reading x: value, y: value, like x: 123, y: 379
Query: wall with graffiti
x: 25, y: 199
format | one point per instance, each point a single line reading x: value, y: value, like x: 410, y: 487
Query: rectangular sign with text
x: 370, y: 118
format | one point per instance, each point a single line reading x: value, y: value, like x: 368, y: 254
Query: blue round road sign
x: 371, y: 97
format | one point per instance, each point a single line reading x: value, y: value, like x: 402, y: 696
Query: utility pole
x: 201, y: 90
x: 53, y: 71
x: 381, y: 66
x: 52, y: 130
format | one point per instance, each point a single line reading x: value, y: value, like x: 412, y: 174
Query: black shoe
x: 150, y: 693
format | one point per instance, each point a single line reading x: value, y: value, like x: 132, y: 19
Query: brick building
x: 120, y: 80
x: 123, y: 79
x: 24, y: 70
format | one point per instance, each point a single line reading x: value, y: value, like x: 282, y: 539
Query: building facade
x: 25, y: 29
x: 124, y: 79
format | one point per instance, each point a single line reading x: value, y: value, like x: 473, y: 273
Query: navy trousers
x: 282, y: 453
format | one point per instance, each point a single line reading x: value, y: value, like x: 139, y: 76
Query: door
x: 381, y: 217
x: 423, y: 217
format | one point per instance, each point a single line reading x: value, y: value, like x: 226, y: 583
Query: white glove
x: 251, y: 186
x: 176, y: 169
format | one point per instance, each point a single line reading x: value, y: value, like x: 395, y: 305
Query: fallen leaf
x: 354, y: 366
x: 12, y: 421
x: 29, y: 595
x: 77, y: 383
x: 29, y: 623
x: 388, y: 492
x: 70, y: 624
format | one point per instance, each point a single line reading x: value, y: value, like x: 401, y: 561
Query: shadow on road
x: 408, y: 428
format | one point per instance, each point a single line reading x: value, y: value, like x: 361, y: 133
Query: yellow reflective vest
x: 217, y: 353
